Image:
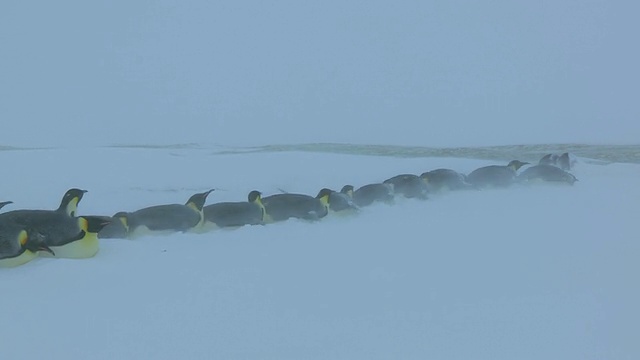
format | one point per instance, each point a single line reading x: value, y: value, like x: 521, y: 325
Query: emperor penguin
x: 280, y: 207
x: 19, y: 245
x: 547, y: 173
x: 371, y: 193
x: 113, y: 230
x: 165, y: 219
x: 446, y: 179
x: 342, y: 201
x: 410, y: 186
x: 564, y: 161
x: 495, y: 175
x: 84, y: 244
x: 59, y: 226
x: 235, y: 214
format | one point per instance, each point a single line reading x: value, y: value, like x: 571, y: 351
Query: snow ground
x: 524, y: 273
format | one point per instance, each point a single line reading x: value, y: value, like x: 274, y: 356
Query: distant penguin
x: 371, y: 193
x: 235, y: 214
x: 113, y: 230
x: 281, y: 207
x: 548, y: 173
x: 409, y: 185
x: 342, y: 201
x: 565, y: 162
x: 165, y: 219
x: 495, y: 175
x: 446, y: 179
x: 5, y: 203
x: 19, y: 246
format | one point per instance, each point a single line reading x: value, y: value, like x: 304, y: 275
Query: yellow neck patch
x: 83, y: 224
x: 193, y: 206
x: 124, y: 222
x: 72, y: 206
x: 23, y: 237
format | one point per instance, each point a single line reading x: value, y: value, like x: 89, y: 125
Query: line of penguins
x: 27, y: 234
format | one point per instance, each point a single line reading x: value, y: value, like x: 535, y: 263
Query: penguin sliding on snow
x: 410, y: 186
x: 113, y: 230
x: 80, y: 240
x: 235, y: 214
x: 165, y: 218
x: 547, y: 173
x: 281, y: 207
x: 495, y: 175
x: 446, y: 179
x: 68, y: 235
x: 371, y: 193
x: 563, y: 161
x: 19, y: 246
x: 342, y: 201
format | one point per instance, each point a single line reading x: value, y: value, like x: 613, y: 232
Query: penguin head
x: 564, y: 161
x: 516, y: 164
x: 4, y: 203
x: 33, y: 241
x: 255, y: 197
x: 323, y: 196
x: 425, y: 177
x: 347, y: 190
x: 123, y: 217
x: 197, y: 200
x: 92, y: 224
x: 548, y: 159
x: 70, y: 200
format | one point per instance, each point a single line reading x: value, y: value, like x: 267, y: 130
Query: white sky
x: 432, y: 73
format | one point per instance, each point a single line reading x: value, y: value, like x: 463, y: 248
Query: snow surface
x: 543, y: 272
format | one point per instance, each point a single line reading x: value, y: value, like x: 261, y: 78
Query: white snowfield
x: 538, y: 272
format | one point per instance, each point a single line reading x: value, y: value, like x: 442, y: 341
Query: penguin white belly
x: 23, y: 258
x: 84, y: 248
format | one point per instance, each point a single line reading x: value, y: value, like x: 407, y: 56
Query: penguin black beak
x: 46, y: 249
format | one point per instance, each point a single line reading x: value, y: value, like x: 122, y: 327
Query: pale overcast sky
x: 432, y: 73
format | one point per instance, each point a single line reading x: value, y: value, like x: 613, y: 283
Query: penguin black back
x: 409, y: 185
x: 235, y: 214
x: 370, y: 193
x: 495, y: 175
